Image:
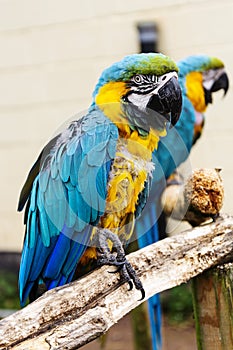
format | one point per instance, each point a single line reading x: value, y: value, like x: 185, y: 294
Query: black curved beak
x: 168, y: 101
x: 221, y: 83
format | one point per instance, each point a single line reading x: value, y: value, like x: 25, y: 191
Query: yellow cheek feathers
x: 195, y: 91
x: 110, y: 93
x: 108, y: 100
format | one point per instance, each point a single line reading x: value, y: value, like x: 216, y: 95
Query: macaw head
x: 139, y: 84
x: 200, y: 76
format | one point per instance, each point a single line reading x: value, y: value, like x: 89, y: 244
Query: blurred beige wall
x: 52, y: 53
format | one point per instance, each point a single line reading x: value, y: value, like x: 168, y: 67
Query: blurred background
x: 52, y: 53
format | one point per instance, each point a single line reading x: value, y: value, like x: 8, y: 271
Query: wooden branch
x: 197, y: 200
x: 70, y: 316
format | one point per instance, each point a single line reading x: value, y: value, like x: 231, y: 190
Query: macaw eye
x: 137, y: 78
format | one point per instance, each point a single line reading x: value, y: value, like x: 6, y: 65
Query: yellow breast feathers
x: 127, y: 180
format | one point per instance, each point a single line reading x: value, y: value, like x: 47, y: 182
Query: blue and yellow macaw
x: 91, y: 181
x: 199, y: 77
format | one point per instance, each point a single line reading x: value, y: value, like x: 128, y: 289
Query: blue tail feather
x: 154, y: 308
x: 149, y: 219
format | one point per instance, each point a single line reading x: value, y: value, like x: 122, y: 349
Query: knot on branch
x: 198, y: 199
x: 204, y: 191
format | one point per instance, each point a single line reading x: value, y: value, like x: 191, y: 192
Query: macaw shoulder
x: 91, y: 140
x: 97, y: 127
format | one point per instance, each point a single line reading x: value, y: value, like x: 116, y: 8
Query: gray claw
x: 105, y: 257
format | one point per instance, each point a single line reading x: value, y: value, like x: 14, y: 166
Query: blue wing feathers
x: 67, y: 194
x: 73, y: 173
x: 33, y: 196
x: 72, y: 146
x: 83, y: 212
x: 58, y: 155
x: 101, y: 186
x: 32, y: 222
x: 58, y: 188
x: 26, y: 263
x: 53, y: 168
x: 40, y: 256
x: 65, y: 167
x: 50, y: 191
x: 57, y: 257
x: 79, y: 245
x: 70, y: 212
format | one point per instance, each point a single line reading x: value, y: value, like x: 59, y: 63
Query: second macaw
x: 199, y: 77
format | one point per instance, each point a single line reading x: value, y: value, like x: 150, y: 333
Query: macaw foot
x: 105, y: 257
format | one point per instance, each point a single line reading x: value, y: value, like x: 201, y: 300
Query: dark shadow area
x: 9, y: 267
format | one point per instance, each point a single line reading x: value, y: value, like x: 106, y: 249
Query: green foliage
x: 177, y: 303
x: 8, y: 290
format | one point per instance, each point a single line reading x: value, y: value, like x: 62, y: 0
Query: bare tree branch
x: 70, y: 316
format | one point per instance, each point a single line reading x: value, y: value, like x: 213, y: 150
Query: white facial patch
x: 210, y: 76
x: 141, y: 100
